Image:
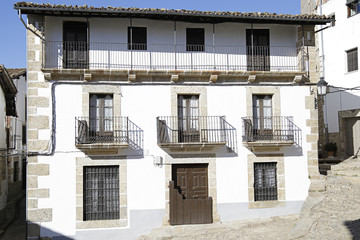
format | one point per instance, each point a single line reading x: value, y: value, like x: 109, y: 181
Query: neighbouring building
x: 12, y: 138
x: 338, y: 46
x: 139, y: 118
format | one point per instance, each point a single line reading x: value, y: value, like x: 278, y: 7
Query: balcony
x: 200, y: 133
x: 115, y: 135
x: 112, y: 56
x: 270, y: 133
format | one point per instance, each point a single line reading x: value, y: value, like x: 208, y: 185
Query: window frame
x: 265, y: 193
x: 353, y: 8
x: 352, y: 60
x: 96, y: 215
x: 195, y: 42
x: 137, y: 38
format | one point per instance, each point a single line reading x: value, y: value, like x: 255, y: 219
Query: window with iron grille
x: 352, y: 59
x: 265, y: 182
x: 101, y: 193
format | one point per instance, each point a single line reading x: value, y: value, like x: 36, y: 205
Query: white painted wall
x: 229, y: 39
x: 143, y: 103
x: 3, y: 193
x: 345, y: 35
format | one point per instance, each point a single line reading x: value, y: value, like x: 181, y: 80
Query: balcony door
x: 75, y: 46
x: 262, y: 117
x: 188, y: 118
x: 101, y: 118
x: 258, y: 49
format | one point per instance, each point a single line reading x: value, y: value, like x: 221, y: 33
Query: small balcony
x: 114, y: 135
x: 113, y: 56
x: 200, y: 133
x: 270, y: 133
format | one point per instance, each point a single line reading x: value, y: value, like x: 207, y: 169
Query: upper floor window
x: 195, y: 39
x: 353, y: 7
x: 352, y: 59
x: 137, y: 39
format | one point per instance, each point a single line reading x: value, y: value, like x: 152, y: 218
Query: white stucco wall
x: 345, y: 35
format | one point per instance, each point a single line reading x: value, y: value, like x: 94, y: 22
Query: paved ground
x: 332, y: 211
x: 16, y: 231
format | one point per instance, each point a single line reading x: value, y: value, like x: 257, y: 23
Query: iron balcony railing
x: 274, y: 128
x: 101, y: 55
x: 199, y: 129
x: 111, y: 130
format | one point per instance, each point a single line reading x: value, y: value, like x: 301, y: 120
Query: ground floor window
x: 101, y: 193
x: 265, y: 181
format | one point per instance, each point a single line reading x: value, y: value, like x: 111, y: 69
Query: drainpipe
x: 20, y: 17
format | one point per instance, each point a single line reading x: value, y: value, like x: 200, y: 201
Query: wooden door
x: 258, y: 49
x: 189, y: 201
x: 352, y: 136
x: 191, y: 180
x: 75, y: 45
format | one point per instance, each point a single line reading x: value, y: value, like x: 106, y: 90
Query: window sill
x: 267, y: 204
x: 101, y: 224
x: 354, y: 71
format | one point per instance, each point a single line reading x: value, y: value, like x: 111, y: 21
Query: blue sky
x: 13, y: 34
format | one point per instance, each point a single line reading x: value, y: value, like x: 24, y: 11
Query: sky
x: 13, y: 33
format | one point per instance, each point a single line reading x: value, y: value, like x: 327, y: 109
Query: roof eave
x: 188, y: 17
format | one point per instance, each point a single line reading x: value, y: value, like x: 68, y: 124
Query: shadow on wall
x: 354, y: 228
x: 34, y: 231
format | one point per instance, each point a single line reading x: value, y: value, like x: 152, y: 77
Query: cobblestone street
x: 332, y: 211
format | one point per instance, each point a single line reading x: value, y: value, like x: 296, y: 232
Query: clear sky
x: 13, y: 34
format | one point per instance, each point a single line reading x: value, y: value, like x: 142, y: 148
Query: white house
x: 12, y: 140
x: 338, y: 46
x: 139, y: 118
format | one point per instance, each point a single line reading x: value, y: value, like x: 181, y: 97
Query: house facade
x: 338, y: 64
x: 140, y: 118
x: 12, y: 140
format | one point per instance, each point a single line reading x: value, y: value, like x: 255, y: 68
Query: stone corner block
x: 40, y: 215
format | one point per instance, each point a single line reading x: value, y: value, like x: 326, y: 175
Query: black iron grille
x: 101, y: 193
x: 265, y: 182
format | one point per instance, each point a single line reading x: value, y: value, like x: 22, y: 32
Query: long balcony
x: 108, y: 135
x: 200, y: 133
x: 270, y: 133
x: 101, y: 55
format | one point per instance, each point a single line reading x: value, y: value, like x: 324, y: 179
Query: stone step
x: 331, y: 160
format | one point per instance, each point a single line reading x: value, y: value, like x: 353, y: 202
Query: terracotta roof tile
x: 109, y: 9
x: 16, y: 72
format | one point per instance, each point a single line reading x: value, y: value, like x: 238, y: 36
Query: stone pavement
x: 332, y: 211
x: 15, y: 229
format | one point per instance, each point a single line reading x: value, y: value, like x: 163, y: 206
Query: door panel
x: 75, y: 45
x: 188, y: 118
x: 191, y: 180
x: 258, y: 49
x: 352, y: 132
